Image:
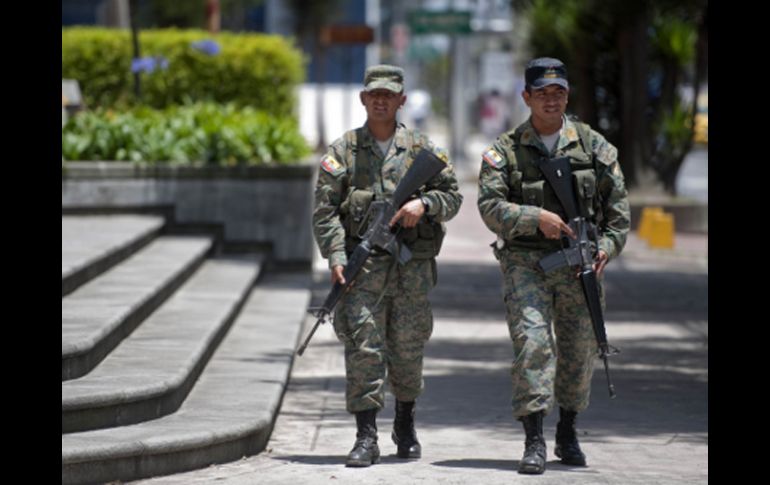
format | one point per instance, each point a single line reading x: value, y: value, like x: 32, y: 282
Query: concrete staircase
x: 174, y: 355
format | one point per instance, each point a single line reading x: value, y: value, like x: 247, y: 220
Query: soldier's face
x: 548, y: 103
x: 382, y: 104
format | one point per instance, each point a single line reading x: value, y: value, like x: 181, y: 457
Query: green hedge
x: 201, y: 133
x: 255, y: 70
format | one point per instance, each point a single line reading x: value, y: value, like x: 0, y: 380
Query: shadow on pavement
x: 661, y: 377
x: 656, y: 295
x: 385, y: 459
x: 659, y: 390
x: 473, y: 292
x: 506, y: 465
x: 312, y: 459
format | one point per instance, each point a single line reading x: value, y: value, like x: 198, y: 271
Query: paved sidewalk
x: 655, y: 432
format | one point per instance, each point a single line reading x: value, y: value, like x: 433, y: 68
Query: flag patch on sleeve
x: 331, y: 165
x: 493, y: 158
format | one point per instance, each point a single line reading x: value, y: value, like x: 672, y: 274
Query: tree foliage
x: 628, y: 62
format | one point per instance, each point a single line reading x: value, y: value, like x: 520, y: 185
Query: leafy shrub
x: 190, y: 134
x: 247, y: 69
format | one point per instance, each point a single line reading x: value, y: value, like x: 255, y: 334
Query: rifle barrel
x: 321, y: 319
x: 607, y: 372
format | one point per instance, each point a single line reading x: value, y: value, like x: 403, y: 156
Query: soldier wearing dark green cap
x: 385, y: 319
x: 521, y: 208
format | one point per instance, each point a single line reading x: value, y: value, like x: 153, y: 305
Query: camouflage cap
x: 384, y: 76
x: 544, y: 71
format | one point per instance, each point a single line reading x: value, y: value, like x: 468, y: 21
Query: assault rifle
x: 578, y: 251
x: 379, y: 235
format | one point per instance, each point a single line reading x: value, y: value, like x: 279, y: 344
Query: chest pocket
x: 525, y: 182
x: 353, y: 211
x: 584, y: 180
x: 532, y: 192
x: 585, y: 184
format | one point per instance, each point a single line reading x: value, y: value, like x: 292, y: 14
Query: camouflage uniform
x: 511, y: 192
x: 384, y: 338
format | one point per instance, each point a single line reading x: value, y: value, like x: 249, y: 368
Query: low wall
x: 254, y: 204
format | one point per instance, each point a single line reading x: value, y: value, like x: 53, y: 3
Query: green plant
x: 191, y: 134
x: 674, y: 133
x: 255, y: 70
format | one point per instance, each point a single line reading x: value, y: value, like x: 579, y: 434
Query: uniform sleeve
x: 329, y: 194
x: 443, y: 192
x: 506, y: 219
x: 616, y: 220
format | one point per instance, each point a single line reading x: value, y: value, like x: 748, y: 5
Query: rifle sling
x: 361, y: 166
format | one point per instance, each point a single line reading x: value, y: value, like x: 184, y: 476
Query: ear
x: 526, y: 97
x: 361, y: 97
x: 403, y: 101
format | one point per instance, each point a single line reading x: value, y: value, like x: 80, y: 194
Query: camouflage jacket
x: 334, y: 184
x: 500, y: 186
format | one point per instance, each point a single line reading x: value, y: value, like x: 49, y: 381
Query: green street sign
x: 439, y: 22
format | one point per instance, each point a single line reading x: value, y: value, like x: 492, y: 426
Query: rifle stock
x: 379, y: 234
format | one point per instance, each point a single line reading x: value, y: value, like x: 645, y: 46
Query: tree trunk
x: 585, y: 104
x: 633, y: 46
x: 213, y: 18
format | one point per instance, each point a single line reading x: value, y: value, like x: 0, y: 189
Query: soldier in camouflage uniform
x: 520, y: 207
x: 385, y: 319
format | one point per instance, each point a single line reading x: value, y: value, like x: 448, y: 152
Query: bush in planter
x: 248, y: 69
x: 190, y: 134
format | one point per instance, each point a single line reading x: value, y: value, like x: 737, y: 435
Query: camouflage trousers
x: 539, y: 305
x: 385, y: 340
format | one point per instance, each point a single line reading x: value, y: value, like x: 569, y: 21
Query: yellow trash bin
x: 662, y: 231
x: 645, y: 224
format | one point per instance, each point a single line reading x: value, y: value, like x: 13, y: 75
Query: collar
x: 567, y: 134
x: 400, y: 137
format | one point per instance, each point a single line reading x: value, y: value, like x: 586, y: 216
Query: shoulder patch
x: 493, y: 158
x: 331, y: 165
x: 606, y: 153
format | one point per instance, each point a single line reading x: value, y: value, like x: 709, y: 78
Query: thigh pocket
x: 417, y: 276
x: 352, y: 317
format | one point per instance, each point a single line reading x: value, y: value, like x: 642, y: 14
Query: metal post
x: 457, y: 107
x: 135, y: 39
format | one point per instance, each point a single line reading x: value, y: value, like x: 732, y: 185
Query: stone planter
x: 255, y: 205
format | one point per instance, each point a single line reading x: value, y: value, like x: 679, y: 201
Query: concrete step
x: 151, y: 372
x: 101, y: 313
x: 229, y: 413
x: 92, y: 244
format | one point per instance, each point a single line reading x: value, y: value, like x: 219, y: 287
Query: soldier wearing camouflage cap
x: 385, y: 319
x: 521, y: 208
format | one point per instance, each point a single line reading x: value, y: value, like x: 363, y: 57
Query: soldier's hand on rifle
x: 601, y: 261
x: 337, y: 274
x: 551, y: 225
x: 409, y: 214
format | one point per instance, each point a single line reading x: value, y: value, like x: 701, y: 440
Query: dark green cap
x: 384, y: 76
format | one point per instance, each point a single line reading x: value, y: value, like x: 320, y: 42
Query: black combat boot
x: 365, y: 451
x: 403, y: 431
x: 567, y: 446
x: 533, y: 461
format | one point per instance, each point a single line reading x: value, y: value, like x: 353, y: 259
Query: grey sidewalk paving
x: 655, y: 432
